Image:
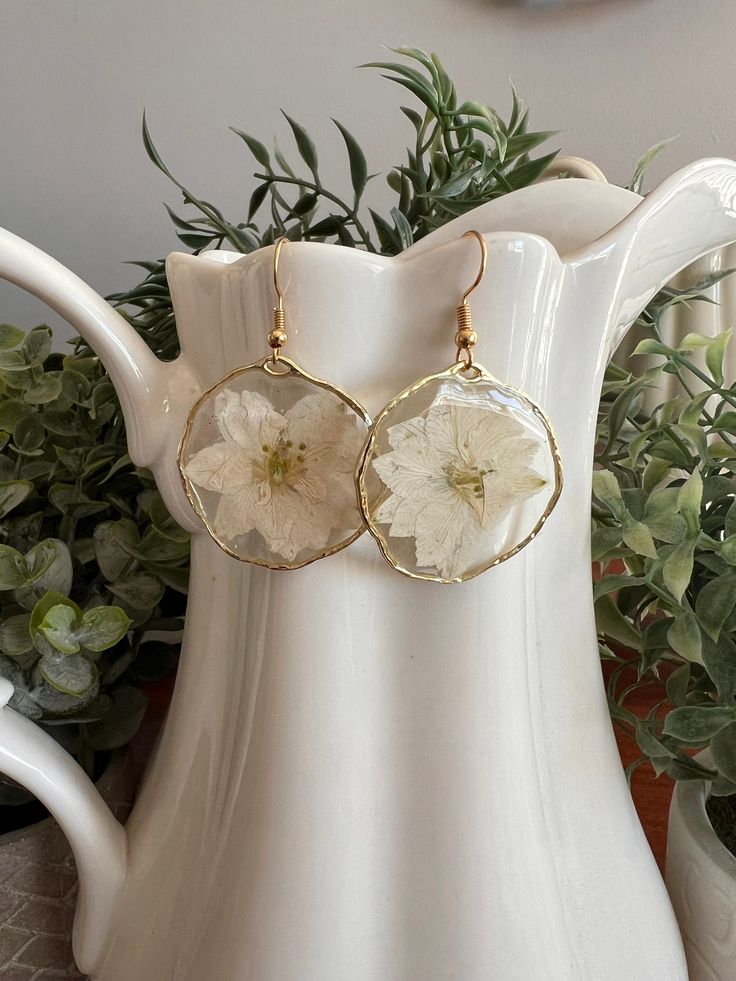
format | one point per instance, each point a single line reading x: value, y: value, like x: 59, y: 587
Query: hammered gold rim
x: 459, y: 368
x: 264, y: 365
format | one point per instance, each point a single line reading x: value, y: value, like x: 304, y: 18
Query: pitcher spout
x: 690, y: 214
x: 98, y: 840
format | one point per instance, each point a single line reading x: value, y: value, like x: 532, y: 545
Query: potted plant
x: 664, y: 538
x: 90, y: 562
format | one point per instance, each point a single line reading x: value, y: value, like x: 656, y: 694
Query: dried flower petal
x: 287, y: 476
x: 454, y: 474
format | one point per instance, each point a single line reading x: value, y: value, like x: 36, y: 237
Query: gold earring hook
x: 277, y: 337
x: 466, y: 338
x: 276, y: 256
x: 483, y: 263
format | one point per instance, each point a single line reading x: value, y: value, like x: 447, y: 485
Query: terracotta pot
x: 38, y: 888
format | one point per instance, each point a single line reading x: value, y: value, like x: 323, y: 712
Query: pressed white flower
x: 288, y: 476
x: 453, y: 476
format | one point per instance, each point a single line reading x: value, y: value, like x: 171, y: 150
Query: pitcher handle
x: 138, y: 376
x: 32, y: 758
x: 154, y: 395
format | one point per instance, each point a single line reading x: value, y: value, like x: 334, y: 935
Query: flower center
x: 467, y: 481
x: 283, y: 462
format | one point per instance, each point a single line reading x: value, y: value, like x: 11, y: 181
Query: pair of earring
x: 455, y: 475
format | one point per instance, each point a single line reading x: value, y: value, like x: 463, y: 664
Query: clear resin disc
x: 268, y: 462
x: 458, y: 474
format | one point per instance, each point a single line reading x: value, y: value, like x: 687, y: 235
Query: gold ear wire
x: 466, y: 338
x: 278, y: 337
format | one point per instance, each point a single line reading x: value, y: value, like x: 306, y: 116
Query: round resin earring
x: 268, y: 458
x: 459, y: 471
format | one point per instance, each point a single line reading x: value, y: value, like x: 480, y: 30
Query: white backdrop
x: 75, y: 75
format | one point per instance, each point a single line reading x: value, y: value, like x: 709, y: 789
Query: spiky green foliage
x: 664, y: 533
x: 461, y: 155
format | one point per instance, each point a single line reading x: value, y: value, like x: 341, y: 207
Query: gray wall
x: 616, y: 76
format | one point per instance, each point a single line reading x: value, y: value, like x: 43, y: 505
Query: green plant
x: 89, y: 558
x: 664, y: 533
x: 461, y: 155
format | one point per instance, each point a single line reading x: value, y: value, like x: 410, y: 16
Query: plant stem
x: 316, y: 189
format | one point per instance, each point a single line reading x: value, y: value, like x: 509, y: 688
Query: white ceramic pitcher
x: 364, y: 777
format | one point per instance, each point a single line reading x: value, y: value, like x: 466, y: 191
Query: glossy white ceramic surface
x: 365, y: 777
x: 701, y: 879
x: 34, y: 759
